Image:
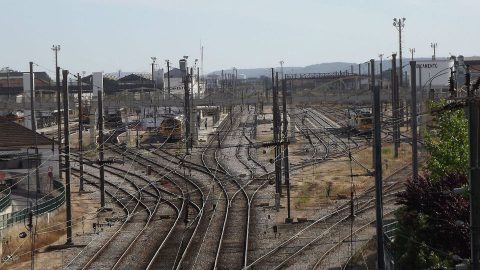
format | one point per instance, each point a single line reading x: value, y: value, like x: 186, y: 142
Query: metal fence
x: 6, y: 200
x: 41, y: 208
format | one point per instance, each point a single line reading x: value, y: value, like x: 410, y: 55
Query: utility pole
x: 434, y: 45
x: 198, y: 82
x: 399, y: 24
x: 34, y: 124
x: 32, y: 99
x: 33, y: 232
x: 474, y: 133
x: 276, y: 136
x: 381, y: 70
x: 368, y: 72
x: 59, y: 123
x: 56, y: 49
x: 286, y: 164
x: 101, y: 148
x: 154, y: 92
x: 80, y: 128
x: 233, y: 82
x: 275, y: 140
x: 396, y: 125
x: 186, y: 107
x: 377, y: 148
x: 168, y: 85
x: 153, y: 70
x: 66, y: 130
x: 222, y: 84
x: 191, y: 111
x: 413, y: 118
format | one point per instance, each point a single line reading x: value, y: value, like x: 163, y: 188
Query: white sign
x: 434, y: 73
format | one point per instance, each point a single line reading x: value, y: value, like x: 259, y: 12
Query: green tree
x: 447, y: 143
x: 428, y: 232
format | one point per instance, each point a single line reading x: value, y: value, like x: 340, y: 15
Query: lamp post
x: 399, y: 24
x: 56, y: 49
x: 412, y: 51
x: 434, y: 45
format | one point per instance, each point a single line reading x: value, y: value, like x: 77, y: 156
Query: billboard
x: 434, y: 73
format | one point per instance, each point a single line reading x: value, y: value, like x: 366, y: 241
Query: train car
x: 209, y: 110
x: 360, y: 120
x: 114, y: 117
x: 171, y: 128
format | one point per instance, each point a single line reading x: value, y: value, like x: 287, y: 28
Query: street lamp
x: 56, y: 49
x: 412, y: 51
x: 434, y: 45
x: 399, y: 24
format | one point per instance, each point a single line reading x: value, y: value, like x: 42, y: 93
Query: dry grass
x: 49, y: 232
x: 20, y: 248
x: 311, y: 183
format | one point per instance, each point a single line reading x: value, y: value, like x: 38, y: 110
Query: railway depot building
x: 18, y: 158
x: 11, y: 82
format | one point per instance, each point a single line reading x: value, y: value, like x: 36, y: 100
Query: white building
x: 177, y: 85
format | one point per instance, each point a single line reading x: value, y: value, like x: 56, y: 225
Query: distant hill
x: 319, y: 68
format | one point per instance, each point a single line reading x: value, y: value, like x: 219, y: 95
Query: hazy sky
x: 109, y: 35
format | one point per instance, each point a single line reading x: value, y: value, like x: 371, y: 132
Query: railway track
x: 149, y: 197
x: 237, y: 241
x: 138, y: 214
x: 219, y: 204
x: 229, y: 187
x: 136, y: 223
x: 181, y: 234
x: 290, y: 251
